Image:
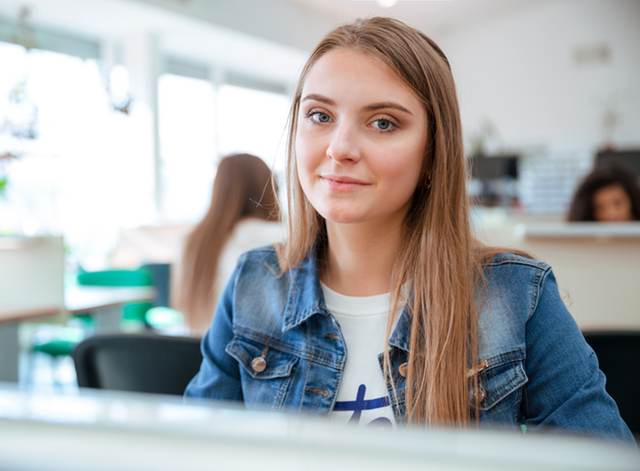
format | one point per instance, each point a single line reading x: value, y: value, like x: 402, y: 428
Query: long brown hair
x: 242, y: 189
x: 439, y: 255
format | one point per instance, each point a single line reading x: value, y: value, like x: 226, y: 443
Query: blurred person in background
x: 243, y: 215
x: 381, y: 307
x: 607, y: 194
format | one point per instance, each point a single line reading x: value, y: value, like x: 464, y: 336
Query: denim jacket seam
x: 234, y: 280
x: 309, y: 355
x: 289, y: 310
x: 513, y: 355
x: 540, y: 279
x: 521, y: 261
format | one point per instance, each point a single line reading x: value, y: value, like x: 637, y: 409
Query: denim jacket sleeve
x: 566, y: 388
x: 218, y: 377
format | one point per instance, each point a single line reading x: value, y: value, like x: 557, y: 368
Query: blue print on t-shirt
x: 361, y: 404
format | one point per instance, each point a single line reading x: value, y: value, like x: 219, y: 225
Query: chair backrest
x: 618, y: 355
x: 137, y: 362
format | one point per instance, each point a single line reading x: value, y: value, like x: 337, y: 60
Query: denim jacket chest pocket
x: 501, y: 383
x: 266, y: 373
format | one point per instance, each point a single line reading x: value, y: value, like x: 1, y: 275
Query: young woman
x: 243, y: 215
x: 381, y: 307
x: 608, y: 194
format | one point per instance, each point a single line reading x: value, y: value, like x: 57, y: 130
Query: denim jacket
x: 274, y: 344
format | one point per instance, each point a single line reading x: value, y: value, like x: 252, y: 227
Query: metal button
x: 402, y: 369
x: 259, y: 364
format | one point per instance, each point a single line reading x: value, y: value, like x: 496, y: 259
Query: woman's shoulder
x: 260, y: 261
x: 509, y: 295
x: 517, y: 273
x: 515, y: 260
x: 515, y: 280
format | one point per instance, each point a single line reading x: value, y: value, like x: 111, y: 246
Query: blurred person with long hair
x: 381, y: 307
x: 243, y: 215
x: 607, y: 194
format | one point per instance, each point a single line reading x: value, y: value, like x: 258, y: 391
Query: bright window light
x: 254, y: 121
x: 187, y: 128
x: 84, y: 175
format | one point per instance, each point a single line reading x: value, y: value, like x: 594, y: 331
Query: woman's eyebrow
x: 321, y: 98
x: 387, y: 104
x: 371, y: 107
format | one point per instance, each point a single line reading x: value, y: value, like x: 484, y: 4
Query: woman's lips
x: 343, y: 183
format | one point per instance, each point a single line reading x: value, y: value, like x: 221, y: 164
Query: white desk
x: 105, y: 430
x: 105, y: 303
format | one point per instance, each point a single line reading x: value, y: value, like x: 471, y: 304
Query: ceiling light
x: 387, y: 3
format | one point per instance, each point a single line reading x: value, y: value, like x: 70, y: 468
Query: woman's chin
x: 342, y: 216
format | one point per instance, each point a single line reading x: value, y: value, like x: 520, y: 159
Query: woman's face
x: 360, y: 140
x: 611, y: 204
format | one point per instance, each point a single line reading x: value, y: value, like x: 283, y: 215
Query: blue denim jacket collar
x: 400, y: 335
x: 305, y: 299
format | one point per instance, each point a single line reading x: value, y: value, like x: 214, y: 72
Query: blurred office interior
x: 115, y: 113
x: 110, y: 124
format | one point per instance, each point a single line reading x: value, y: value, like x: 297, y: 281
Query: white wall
x: 519, y: 71
x: 280, y: 21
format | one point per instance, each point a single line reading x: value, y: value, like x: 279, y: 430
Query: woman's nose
x: 343, y: 146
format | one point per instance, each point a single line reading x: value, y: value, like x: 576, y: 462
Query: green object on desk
x: 133, y: 314
x: 55, y: 348
x: 139, y: 277
x: 85, y: 320
x: 164, y: 318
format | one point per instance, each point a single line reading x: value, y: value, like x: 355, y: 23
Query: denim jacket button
x: 402, y: 369
x: 258, y: 364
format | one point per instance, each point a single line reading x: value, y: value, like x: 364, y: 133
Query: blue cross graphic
x: 361, y: 404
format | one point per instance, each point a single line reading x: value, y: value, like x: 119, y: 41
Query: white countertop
x: 104, y: 430
x: 593, y: 230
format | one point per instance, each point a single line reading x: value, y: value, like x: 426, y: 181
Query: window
x: 254, y: 121
x: 188, y: 157
x: 87, y: 172
x: 198, y: 127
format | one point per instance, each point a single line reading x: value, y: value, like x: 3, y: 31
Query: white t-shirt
x: 362, y: 397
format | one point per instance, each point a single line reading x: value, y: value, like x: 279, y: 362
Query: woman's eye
x: 384, y: 125
x: 319, y: 117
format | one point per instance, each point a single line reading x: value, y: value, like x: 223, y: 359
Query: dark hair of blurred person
x: 607, y: 194
x: 244, y: 195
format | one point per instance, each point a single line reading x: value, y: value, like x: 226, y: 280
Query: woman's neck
x: 361, y: 257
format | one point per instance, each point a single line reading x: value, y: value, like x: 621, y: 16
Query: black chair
x: 137, y: 362
x: 619, y: 355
